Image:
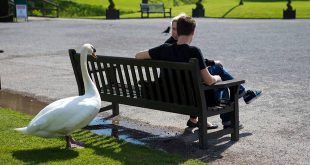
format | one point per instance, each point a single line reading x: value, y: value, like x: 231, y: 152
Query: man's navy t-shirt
x: 181, y: 53
x: 177, y: 53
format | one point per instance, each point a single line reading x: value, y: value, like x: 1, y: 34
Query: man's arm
x: 143, y: 55
x: 208, y: 78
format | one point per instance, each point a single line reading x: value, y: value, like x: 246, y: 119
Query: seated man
x: 183, y: 52
x: 215, y: 68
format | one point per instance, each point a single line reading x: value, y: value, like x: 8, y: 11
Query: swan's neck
x: 90, y: 87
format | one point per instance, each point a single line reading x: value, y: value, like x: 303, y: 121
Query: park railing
x: 43, y: 8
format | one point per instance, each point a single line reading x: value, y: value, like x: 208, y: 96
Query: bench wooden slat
x: 95, y: 74
x: 165, y: 85
x: 156, y: 79
x: 183, y: 96
x: 135, y: 81
x: 141, y: 78
x: 109, y: 84
x: 113, y: 76
x: 214, y: 110
x: 152, y: 104
x: 91, y: 75
x: 102, y: 78
x: 121, y: 79
x: 128, y: 80
x: 172, y: 85
x: 149, y: 83
x: 190, y: 94
x: 149, y: 63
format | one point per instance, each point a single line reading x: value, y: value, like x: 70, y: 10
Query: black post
x: 111, y: 12
x: 241, y: 2
x: 199, y: 11
x: 289, y: 13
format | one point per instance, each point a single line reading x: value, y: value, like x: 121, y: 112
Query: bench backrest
x: 167, y: 86
x: 145, y: 7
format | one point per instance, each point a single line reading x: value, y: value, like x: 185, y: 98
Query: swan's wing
x: 52, y: 113
x: 54, y: 105
x: 79, y: 114
x: 64, y: 115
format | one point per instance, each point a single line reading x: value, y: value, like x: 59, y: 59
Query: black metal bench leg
x: 235, y: 134
x: 235, y: 114
x: 203, y: 140
x: 115, y: 108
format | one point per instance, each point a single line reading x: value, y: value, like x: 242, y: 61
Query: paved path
x: 272, y: 55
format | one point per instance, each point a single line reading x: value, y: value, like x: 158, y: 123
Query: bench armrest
x: 223, y: 84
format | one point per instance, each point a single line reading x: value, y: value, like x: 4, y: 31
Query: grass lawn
x: 17, y: 148
x: 213, y: 8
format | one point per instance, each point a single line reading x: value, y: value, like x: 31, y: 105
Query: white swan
x: 64, y: 116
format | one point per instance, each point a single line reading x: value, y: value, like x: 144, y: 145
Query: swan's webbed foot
x: 72, y: 143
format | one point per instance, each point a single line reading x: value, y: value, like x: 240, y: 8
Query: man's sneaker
x: 251, y: 95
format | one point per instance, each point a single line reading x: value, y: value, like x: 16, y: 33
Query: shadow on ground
x: 185, y: 144
x: 43, y: 155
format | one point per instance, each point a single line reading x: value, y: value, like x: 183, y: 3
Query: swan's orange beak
x: 94, y: 55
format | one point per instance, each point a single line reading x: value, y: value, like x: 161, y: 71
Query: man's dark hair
x: 185, y: 25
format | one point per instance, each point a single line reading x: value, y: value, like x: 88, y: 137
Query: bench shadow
x: 230, y: 10
x: 36, y: 156
x: 185, y: 144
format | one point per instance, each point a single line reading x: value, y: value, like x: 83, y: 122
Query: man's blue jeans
x: 223, y: 93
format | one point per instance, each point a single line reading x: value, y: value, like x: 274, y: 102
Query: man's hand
x: 217, y: 78
x: 143, y: 55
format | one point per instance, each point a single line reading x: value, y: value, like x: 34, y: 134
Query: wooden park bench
x: 154, y: 8
x: 139, y: 83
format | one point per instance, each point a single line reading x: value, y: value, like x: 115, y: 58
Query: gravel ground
x: 272, y: 55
